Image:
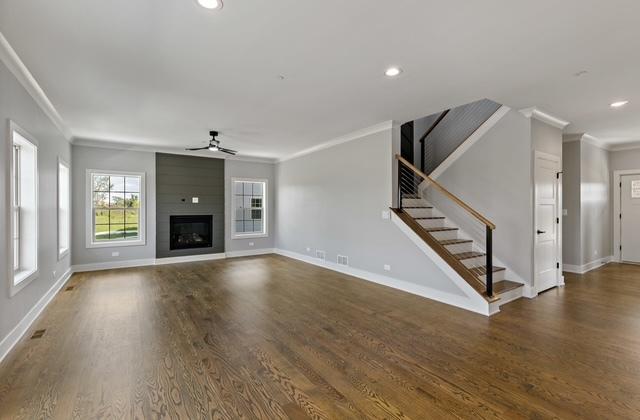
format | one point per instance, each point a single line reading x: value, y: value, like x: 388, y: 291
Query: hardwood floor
x: 270, y: 337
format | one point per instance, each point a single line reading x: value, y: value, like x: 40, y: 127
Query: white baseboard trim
x: 585, y: 268
x: 250, y: 252
x: 415, y: 289
x: 189, y: 258
x: 23, y: 326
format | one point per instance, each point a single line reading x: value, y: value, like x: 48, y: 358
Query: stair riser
x: 475, y: 262
x: 419, y: 212
x: 497, y: 276
x: 445, y: 234
x: 431, y: 223
x: 413, y: 202
x: 460, y: 248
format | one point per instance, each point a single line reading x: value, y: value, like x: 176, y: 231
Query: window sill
x: 21, y: 280
x: 115, y: 244
x: 250, y: 236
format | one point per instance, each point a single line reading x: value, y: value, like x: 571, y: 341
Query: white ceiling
x: 164, y: 72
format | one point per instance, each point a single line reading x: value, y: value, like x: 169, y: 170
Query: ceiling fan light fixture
x: 393, y: 71
x: 619, y: 104
x: 211, y: 4
x: 213, y: 148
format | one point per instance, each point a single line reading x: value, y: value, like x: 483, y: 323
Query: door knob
x: 540, y: 232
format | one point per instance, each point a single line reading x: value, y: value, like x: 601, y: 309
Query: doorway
x: 547, y: 228
x: 630, y: 218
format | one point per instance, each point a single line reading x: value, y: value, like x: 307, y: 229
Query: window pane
x: 257, y: 188
x: 132, y: 200
x: 238, y: 187
x: 101, y: 217
x: 239, y: 227
x: 117, y: 183
x: 116, y: 217
x: 246, y: 201
x: 101, y: 183
x: 102, y: 233
x: 246, y: 214
x: 248, y: 226
x: 132, y: 184
x: 257, y: 225
x: 100, y: 200
x: 131, y: 216
x: 116, y: 200
x: 239, y: 213
x: 256, y: 214
x: 116, y: 232
x: 131, y: 231
x: 256, y: 202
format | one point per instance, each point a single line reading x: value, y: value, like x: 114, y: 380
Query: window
x: 249, y: 208
x: 116, y: 209
x: 64, y: 213
x: 24, y: 208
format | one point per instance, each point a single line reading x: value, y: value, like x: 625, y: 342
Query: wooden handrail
x: 444, y: 191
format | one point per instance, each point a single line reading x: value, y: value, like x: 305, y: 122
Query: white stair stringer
x: 471, y: 300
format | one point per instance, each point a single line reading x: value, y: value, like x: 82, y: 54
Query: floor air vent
x: 320, y: 255
x: 38, y: 334
x: 343, y: 260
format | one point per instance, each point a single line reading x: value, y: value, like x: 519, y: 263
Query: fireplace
x: 191, y: 232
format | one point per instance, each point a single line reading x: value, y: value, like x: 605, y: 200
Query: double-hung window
x: 116, y: 209
x: 249, y: 203
x: 64, y: 208
x: 24, y: 208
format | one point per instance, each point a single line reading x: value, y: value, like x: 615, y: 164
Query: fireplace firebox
x: 191, y: 232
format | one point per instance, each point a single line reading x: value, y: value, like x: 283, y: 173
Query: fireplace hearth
x: 189, y: 232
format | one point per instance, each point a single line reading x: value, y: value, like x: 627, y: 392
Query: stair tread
x: 440, y: 229
x: 482, y: 270
x: 454, y: 241
x: 417, y: 207
x: 429, y: 218
x: 468, y: 255
x: 505, y: 286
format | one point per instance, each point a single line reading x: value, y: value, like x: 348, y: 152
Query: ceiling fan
x: 214, y: 145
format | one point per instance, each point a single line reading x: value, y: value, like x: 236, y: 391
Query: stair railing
x: 414, y: 184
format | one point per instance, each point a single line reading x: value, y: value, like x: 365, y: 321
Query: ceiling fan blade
x: 198, y: 148
x: 229, y: 151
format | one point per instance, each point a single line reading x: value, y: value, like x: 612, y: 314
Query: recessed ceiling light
x: 619, y: 104
x: 393, y: 71
x: 210, y: 4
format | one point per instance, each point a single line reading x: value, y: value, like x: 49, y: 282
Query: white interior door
x: 630, y: 220
x: 546, y: 261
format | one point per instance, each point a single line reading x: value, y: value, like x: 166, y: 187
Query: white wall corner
x: 545, y: 117
x: 15, y: 65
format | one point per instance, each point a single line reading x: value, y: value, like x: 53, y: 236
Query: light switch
x: 565, y: 212
x: 386, y: 214
x: 195, y: 200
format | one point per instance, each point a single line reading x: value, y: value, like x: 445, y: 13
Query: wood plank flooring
x: 269, y: 337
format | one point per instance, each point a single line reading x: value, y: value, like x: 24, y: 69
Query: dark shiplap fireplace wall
x: 178, y: 180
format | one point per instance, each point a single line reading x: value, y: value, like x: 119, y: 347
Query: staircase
x: 471, y: 258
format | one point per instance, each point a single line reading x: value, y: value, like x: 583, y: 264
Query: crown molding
x: 10, y: 58
x: 586, y: 138
x: 384, y: 126
x: 104, y: 144
x: 547, y: 118
x: 625, y: 146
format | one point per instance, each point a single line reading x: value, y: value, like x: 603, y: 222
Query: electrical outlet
x: 54, y: 274
x: 115, y: 254
x: 387, y: 267
x: 321, y: 255
x: 565, y: 212
x: 386, y: 215
x: 195, y: 200
x: 251, y: 243
x: 342, y: 260
x: 308, y: 249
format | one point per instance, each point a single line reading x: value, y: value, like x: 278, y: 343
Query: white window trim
x: 67, y: 251
x: 89, y: 210
x: 27, y: 278
x: 265, y: 212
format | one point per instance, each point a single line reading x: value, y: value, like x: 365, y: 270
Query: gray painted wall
x: 571, y: 242
x: 16, y: 104
x: 546, y: 138
x: 254, y: 170
x: 596, y: 204
x: 494, y: 177
x: 332, y: 200
x: 178, y: 178
x: 111, y: 160
x: 625, y: 160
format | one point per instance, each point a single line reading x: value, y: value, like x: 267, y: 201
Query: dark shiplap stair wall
x: 181, y: 177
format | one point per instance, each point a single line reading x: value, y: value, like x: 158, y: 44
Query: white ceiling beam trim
x: 544, y: 117
x: 10, y: 58
x: 384, y: 126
